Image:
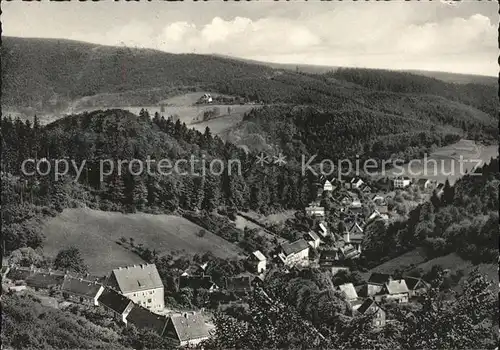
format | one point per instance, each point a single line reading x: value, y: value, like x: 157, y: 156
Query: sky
x: 459, y: 37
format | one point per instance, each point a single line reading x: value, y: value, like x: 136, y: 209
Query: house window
x: 149, y: 300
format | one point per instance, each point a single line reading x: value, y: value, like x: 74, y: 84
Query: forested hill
x: 41, y: 75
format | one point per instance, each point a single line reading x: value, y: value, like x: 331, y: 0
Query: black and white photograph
x: 260, y: 174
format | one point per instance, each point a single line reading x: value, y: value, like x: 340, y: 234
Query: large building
x: 295, y: 253
x: 141, y: 284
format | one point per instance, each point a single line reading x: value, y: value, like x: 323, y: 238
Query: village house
x: 118, y: 305
x: 375, y: 284
x: 144, y: 319
x: 188, y: 329
x: 315, y: 210
x: 197, y: 282
x: 349, y: 291
x: 327, y: 186
x: 416, y: 286
x: 356, y: 183
x: 395, y: 290
x: 346, y: 199
x: 355, y: 236
x: 378, y: 199
x: 424, y: 184
x: 258, y: 261
x: 365, y: 188
x: 81, y: 291
x: 295, y: 253
x: 336, y: 268
x: 140, y: 283
x: 328, y: 258
x: 313, y: 239
x: 401, y: 182
x: 371, y: 307
x: 348, y: 251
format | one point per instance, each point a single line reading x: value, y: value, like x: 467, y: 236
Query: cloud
x: 349, y: 37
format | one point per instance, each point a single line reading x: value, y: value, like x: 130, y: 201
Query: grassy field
x: 416, y: 259
x: 95, y: 234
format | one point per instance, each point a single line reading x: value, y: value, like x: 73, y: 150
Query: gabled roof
x: 137, y: 278
x: 349, y: 290
x: 189, y: 327
x: 80, y: 287
x: 258, y: 254
x: 313, y: 236
x: 396, y: 287
x: 44, y: 280
x: 366, y: 305
x: 415, y: 283
x: 144, y: 319
x: 379, y: 278
x: 294, y: 247
x: 349, y: 251
x: 114, y: 300
x: 196, y: 282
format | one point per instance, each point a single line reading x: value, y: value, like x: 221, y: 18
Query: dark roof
x: 239, y: 284
x: 422, y: 181
x: 144, y: 319
x: 366, y: 305
x: 44, y: 280
x: 415, y: 283
x: 195, y: 282
x: 294, y: 247
x: 80, y: 287
x: 379, y: 278
x: 137, y: 278
x: 114, y: 300
x: 189, y: 327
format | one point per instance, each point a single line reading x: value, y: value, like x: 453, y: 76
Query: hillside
x: 45, y: 75
x: 89, y: 75
x: 96, y: 233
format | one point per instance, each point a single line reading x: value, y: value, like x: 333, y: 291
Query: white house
x: 141, y: 284
x: 401, y: 182
x: 295, y: 253
x: 315, y: 210
x: 328, y: 186
x: 258, y: 261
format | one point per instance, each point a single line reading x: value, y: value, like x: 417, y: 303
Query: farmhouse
x: 416, y: 286
x: 187, y: 329
x: 82, y: 291
x: 118, y: 305
x: 401, y: 182
x: 396, y: 290
x: 44, y: 280
x: 349, y: 291
x: 371, y: 307
x: 295, y: 253
x: 258, y: 261
x: 140, y: 283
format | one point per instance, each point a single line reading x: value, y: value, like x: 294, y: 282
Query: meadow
x: 96, y: 233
